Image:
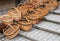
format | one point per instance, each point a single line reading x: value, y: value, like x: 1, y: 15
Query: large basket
x: 12, y: 31
x: 25, y: 25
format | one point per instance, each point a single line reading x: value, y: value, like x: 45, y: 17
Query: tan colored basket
x: 51, y: 4
x: 43, y: 11
x: 35, y: 3
x: 34, y: 18
x: 23, y: 8
x: 12, y: 31
x: 6, y: 19
x: 25, y: 25
x: 15, y: 13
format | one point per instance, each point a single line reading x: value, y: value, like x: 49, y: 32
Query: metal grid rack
x: 47, y: 30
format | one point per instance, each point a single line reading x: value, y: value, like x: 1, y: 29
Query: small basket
x: 15, y: 13
x: 11, y: 31
x: 8, y: 19
x: 25, y: 24
x: 33, y: 16
x: 43, y: 12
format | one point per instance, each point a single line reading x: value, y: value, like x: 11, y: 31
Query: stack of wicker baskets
x: 25, y: 15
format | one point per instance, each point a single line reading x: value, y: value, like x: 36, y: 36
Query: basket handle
x: 17, y: 10
x: 27, y: 19
x: 2, y: 16
x: 10, y: 26
x: 36, y: 13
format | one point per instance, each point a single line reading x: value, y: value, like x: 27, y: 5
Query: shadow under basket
x: 11, y: 31
x: 2, y: 26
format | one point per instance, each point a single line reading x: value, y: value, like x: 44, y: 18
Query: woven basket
x: 43, y: 11
x: 35, y: 3
x: 25, y: 25
x: 15, y: 13
x: 51, y: 4
x: 34, y: 16
x: 23, y: 8
x: 6, y: 19
x: 12, y: 31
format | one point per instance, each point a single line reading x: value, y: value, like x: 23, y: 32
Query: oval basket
x: 12, y: 31
x: 8, y: 21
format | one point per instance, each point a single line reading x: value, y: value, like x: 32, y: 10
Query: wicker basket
x: 6, y: 19
x: 35, y: 3
x: 15, y: 13
x: 25, y: 24
x: 51, y: 4
x: 23, y: 8
x: 12, y: 31
x: 34, y: 16
x: 43, y: 11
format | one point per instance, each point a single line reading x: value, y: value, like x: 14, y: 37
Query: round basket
x: 6, y: 19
